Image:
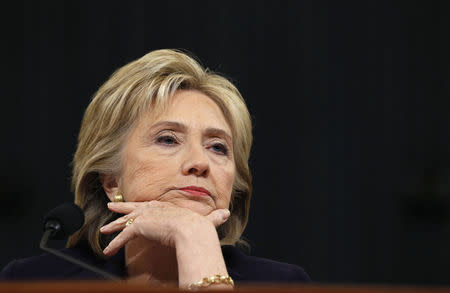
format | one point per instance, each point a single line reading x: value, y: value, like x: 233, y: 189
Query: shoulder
x: 247, y: 268
x: 40, y: 267
x: 49, y: 267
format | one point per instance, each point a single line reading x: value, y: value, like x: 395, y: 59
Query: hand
x: 158, y: 221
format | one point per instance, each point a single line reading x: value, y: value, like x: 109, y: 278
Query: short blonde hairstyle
x: 148, y: 84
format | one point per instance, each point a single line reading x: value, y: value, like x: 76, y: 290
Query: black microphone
x: 62, y: 222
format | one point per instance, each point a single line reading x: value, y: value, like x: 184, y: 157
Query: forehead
x: 192, y: 108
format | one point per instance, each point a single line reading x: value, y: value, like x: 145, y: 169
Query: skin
x: 173, y: 237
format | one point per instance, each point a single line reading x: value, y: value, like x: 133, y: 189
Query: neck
x: 151, y: 262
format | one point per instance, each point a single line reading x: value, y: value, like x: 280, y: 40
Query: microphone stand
x: 43, y: 245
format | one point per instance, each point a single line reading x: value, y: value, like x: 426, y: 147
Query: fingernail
x: 102, y: 229
x: 111, y: 204
x: 226, y: 214
x: 106, y: 250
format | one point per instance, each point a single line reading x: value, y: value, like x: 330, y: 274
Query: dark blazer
x: 242, y: 268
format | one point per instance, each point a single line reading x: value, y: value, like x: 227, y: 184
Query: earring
x: 118, y: 198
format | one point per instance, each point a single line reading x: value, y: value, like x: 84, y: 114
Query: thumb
x: 218, y: 217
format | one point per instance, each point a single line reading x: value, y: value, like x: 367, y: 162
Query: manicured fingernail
x: 102, y: 229
x: 106, y: 250
x: 112, y: 204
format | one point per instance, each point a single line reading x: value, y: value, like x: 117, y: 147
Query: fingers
x: 116, y: 225
x: 218, y: 217
x: 124, y: 207
x: 154, y: 220
x: 120, y: 240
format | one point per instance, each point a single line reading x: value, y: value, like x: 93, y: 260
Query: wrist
x: 200, y: 231
x: 199, y: 255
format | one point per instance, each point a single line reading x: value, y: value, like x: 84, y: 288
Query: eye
x: 220, y: 148
x: 166, y: 140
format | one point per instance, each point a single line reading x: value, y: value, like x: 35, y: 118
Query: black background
x: 350, y: 104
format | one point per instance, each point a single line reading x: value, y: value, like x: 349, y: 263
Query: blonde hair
x: 147, y: 84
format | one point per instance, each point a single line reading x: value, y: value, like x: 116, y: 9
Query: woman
x: 161, y: 172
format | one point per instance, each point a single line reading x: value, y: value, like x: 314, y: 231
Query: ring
x: 129, y: 222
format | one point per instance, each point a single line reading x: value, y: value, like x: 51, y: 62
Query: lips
x: 195, y: 190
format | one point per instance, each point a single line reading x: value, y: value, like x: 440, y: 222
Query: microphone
x: 64, y: 220
x: 60, y: 223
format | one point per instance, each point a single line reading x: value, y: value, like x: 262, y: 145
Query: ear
x: 110, y: 185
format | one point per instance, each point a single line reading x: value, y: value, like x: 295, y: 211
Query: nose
x: 196, y: 162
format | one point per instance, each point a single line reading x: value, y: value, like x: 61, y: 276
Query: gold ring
x: 129, y: 222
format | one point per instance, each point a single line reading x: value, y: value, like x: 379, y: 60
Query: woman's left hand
x: 159, y: 221
x: 193, y: 235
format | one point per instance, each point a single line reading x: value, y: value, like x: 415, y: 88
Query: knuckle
x: 137, y: 221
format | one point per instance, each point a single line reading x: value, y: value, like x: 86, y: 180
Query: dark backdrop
x: 350, y: 104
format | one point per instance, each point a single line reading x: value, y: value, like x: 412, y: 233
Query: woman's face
x: 183, y: 156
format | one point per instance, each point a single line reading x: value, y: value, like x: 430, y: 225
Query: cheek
x: 226, y: 180
x: 144, y: 179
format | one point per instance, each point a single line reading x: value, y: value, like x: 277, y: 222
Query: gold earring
x: 118, y: 198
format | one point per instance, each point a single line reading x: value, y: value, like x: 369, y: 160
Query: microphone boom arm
x: 43, y: 246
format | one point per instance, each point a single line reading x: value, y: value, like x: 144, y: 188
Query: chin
x: 200, y: 207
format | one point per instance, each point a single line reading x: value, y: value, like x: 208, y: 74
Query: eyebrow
x: 171, y: 124
x: 210, y: 131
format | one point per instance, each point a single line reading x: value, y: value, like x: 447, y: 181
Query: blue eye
x: 220, y: 148
x: 166, y: 139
